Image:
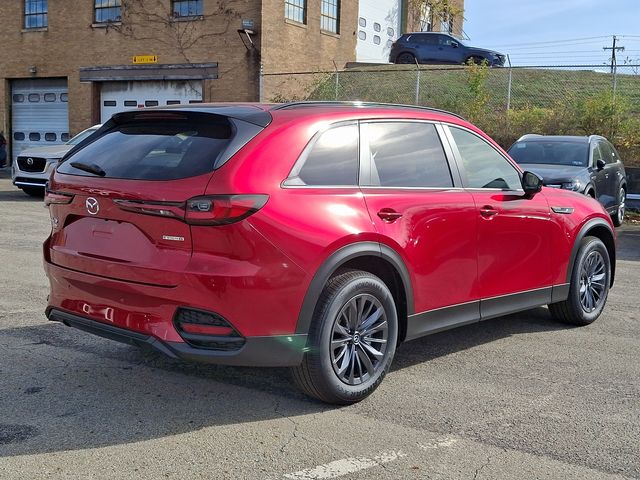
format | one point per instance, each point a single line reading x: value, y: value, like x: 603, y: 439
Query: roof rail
x: 309, y: 103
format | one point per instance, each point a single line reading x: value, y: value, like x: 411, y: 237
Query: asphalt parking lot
x: 516, y: 397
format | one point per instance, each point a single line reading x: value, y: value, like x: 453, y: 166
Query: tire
x: 406, y: 58
x: 589, y: 285
x: 618, y: 217
x: 33, y: 191
x: 330, y: 371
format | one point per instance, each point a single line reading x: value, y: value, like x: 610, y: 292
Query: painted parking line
x: 345, y: 466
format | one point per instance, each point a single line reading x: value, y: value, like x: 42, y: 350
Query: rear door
x: 444, y: 51
x: 513, y: 232
x: 127, y: 191
x: 418, y: 206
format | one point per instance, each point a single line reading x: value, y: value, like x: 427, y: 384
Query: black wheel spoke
x: 368, y: 364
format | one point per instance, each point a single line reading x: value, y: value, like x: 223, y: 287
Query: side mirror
x: 455, y: 44
x: 600, y: 164
x: 531, y: 183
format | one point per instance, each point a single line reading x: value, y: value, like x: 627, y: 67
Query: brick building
x: 69, y: 64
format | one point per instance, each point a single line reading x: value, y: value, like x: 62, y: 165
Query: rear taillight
x: 57, y: 198
x: 222, y: 209
x: 204, y: 210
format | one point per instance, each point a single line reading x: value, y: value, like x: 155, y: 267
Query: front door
x: 513, y: 231
x: 420, y: 209
x: 608, y: 178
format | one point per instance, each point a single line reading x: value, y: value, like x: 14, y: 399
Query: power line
x: 591, y: 42
x: 560, y: 41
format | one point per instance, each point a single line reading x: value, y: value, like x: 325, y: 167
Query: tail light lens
x: 203, y: 210
x: 57, y: 198
x: 222, y: 209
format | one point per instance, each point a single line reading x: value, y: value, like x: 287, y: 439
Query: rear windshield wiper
x: 95, y: 169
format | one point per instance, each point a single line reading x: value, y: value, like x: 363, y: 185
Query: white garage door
x: 120, y: 96
x: 39, y: 113
x: 378, y: 27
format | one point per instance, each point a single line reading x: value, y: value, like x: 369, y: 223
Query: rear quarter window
x: 332, y: 160
x: 156, y: 149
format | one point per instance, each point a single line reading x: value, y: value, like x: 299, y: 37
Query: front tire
x: 618, y: 217
x: 352, y: 339
x: 589, y: 285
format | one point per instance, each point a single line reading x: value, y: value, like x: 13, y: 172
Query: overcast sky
x: 518, y: 27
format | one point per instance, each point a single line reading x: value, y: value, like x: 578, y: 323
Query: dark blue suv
x: 440, y: 48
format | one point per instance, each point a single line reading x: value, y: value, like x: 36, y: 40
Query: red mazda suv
x: 311, y: 235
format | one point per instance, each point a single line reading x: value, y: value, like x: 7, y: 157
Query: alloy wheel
x: 359, y: 339
x: 592, y: 281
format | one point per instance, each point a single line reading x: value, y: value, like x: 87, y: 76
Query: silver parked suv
x: 33, y: 166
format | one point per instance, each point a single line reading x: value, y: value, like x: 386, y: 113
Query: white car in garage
x: 32, y: 168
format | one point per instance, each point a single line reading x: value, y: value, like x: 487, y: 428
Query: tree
x: 431, y: 11
x: 154, y: 20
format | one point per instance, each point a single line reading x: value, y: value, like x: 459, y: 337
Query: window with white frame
x: 108, y: 11
x: 330, y: 16
x: 296, y: 10
x: 36, y: 14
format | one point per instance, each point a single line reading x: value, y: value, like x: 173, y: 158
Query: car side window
x: 331, y: 160
x: 607, y: 152
x: 597, y: 155
x: 425, y: 39
x: 406, y: 154
x: 484, y: 166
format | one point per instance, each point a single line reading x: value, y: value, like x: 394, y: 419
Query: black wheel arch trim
x: 339, y: 258
x: 586, y: 228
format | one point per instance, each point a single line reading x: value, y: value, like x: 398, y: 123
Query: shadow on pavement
x: 66, y: 390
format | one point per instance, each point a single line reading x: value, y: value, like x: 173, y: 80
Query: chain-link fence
x: 451, y: 88
x: 505, y: 102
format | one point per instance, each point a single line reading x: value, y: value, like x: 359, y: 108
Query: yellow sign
x: 145, y: 59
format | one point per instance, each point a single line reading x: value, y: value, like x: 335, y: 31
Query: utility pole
x: 614, y: 65
x: 613, y: 49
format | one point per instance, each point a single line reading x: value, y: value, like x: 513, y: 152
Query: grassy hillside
x: 546, y: 101
x: 442, y: 86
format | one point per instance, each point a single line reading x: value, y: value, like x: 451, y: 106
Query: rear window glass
x: 550, y: 153
x: 158, y: 149
x: 407, y: 155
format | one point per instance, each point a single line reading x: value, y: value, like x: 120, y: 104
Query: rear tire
x: 618, y: 217
x: 352, y: 339
x: 33, y: 191
x: 589, y: 286
x: 406, y: 58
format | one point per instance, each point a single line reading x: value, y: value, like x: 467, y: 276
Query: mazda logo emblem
x: 29, y: 161
x: 92, y: 206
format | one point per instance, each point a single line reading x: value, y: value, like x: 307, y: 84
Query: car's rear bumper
x: 260, y: 321
x: 270, y: 351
